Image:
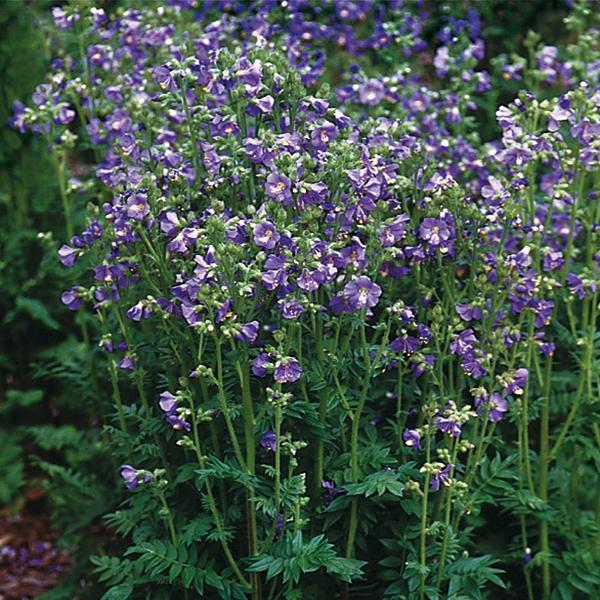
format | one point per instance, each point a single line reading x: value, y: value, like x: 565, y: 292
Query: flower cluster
x: 359, y: 245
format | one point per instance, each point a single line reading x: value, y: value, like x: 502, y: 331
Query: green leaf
x: 36, y: 310
x: 118, y: 592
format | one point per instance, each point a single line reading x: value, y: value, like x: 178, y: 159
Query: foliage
x: 350, y: 344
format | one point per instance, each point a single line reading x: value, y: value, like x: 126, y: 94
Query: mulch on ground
x: 30, y: 562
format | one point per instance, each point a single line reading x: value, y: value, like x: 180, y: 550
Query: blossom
x: 322, y: 136
x: 412, y: 438
x: 126, y: 363
x: 468, y: 312
x: 268, y: 441
x: 371, y: 92
x: 553, y: 261
x: 441, y: 477
x: 448, y: 425
x: 291, y: 309
x: 260, y: 363
x: 265, y: 235
x: 137, y: 206
x: 361, y: 293
x: 71, y: 298
x: 287, y: 370
x: 331, y: 491
x: 134, y: 477
x: 498, y: 406
x: 515, y: 384
x: 279, y: 188
x: 394, y: 232
x: 168, y: 404
x: 248, y: 333
x: 436, y: 232
x: 68, y: 255
x: 139, y: 311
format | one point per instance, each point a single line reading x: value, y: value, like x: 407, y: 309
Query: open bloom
x: 268, y: 441
x: 412, y: 438
x: 168, y: 404
x: 362, y: 292
x: 441, y: 477
x: 279, y: 188
x: 133, y: 477
x: 287, y: 370
x: 265, y: 235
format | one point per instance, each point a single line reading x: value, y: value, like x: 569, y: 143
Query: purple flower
x: 131, y: 476
x: 331, y: 491
x: 168, y: 404
x: 248, y: 333
x: 412, y: 438
x: 139, y: 311
x: 279, y: 188
x: 435, y: 232
x: 322, y: 136
x: 515, y: 385
x: 126, y: 363
x: 553, y: 261
x: 442, y: 477
x: 268, y: 441
x: 137, y: 207
x: 265, y: 235
x: 498, y: 406
x: 372, y: 92
x: 265, y: 104
x: 448, y: 426
x: 291, y: 309
x: 339, y: 304
x: 68, y: 255
x: 260, y: 363
x: 18, y: 117
x: 468, y: 313
x: 362, y: 292
x: 162, y: 76
x: 64, y: 115
x: 463, y: 344
x: 225, y: 311
x: 71, y: 298
x: 405, y: 344
x: 62, y: 20
x: 575, y: 285
x: 287, y: 370
x: 422, y: 364
x: 249, y: 74
x: 393, y: 233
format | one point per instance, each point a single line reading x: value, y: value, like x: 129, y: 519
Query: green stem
x: 60, y: 175
x: 526, y: 572
x: 114, y: 380
x: 320, y: 449
x: 447, y: 515
x: 224, y: 406
x: 169, y: 516
x: 525, y: 406
x: 112, y: 369
x: 543, y: 483
x: 277, y: 459
x: 585, y: 376
x: 423, y: 534
x: 191, y: 130
x: 213, y: 506
x: 369, y: 365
